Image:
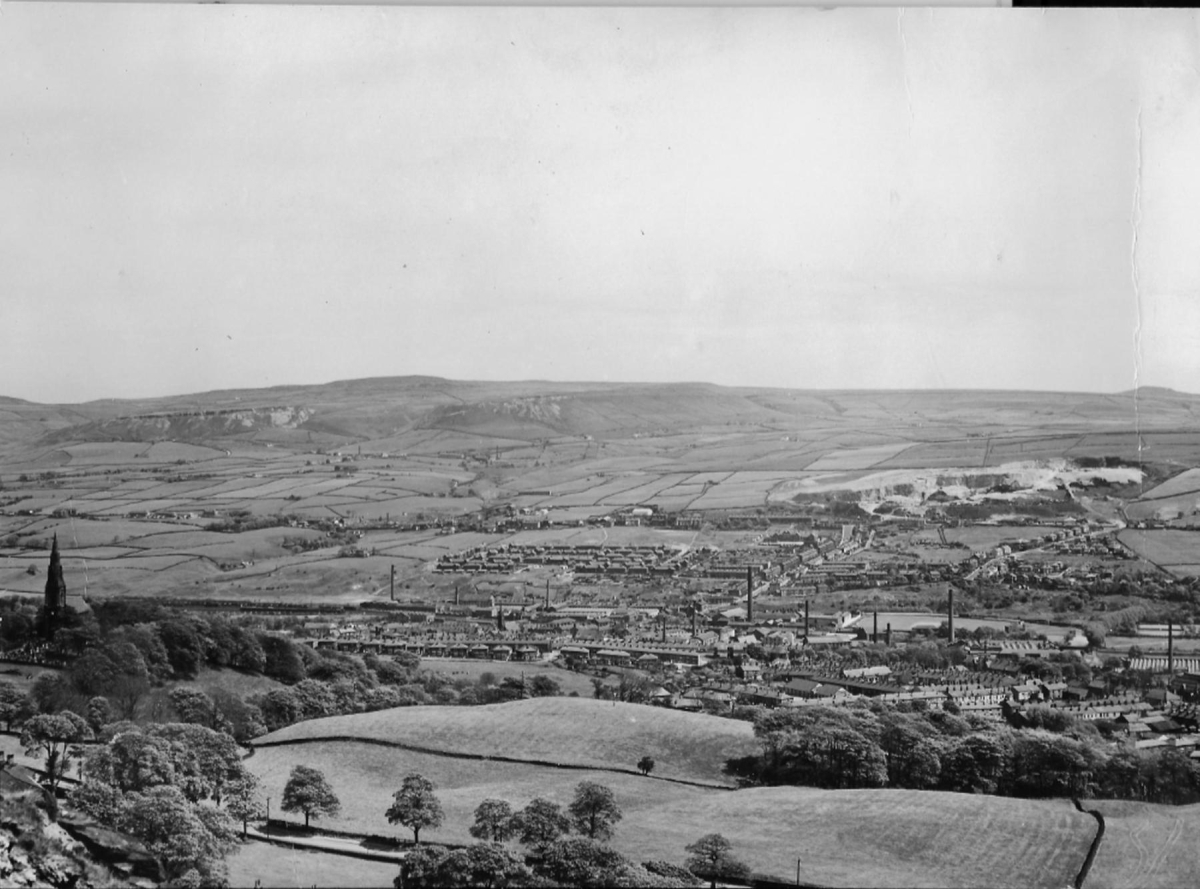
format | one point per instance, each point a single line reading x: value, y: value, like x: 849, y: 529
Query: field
x: 842, y: 838
x: 577, y: 731
x: 279, y: 867
x: 1146, y: 846
x: 1178, y: 551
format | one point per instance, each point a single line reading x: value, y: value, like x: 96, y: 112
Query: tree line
x: 877, y: 745
x: 565, y: 846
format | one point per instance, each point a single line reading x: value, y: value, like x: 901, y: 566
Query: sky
x: 195, y: 197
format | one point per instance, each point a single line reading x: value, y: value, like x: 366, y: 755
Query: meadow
x: 574, y: 731
x: 840, y: 838
x: 1146, y: 846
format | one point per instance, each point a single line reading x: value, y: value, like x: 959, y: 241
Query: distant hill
x: 377, y: 409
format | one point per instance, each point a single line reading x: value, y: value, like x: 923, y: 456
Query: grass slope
x: 277, y: 866
x: 1146, y: 846
x: 574, y: 731
x: 842, y: 838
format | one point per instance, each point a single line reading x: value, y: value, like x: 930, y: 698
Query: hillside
x: 840, y: 837
x: 580, y: 732
x: 379, y: 409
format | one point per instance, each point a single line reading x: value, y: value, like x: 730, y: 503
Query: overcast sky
x: 205, y: 196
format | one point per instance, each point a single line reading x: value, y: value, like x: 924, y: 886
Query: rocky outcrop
x: 35, y: 852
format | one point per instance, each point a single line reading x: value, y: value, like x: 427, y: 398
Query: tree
x: 13, y: 704
x: 184, y: 836
x: 415, y: 806
x: 711, y: 857
x: 540, y: 823
x: 99, y: 712
x: 53, y: 735
x: 205, y: 760
x: 493, y: 821
x: 594, y: 811
x: 195, y: 706
x: 484, y: 865
x: 646, y: 765
x: 582, y: 862
x: 307, y: 791
x: 542, y: 686
x: 243, y: 800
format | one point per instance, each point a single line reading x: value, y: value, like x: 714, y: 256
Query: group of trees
x: 880, y: 746
x: 180, y: 788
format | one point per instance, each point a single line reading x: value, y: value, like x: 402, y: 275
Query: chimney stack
x: 875, y: 628
x: 694, y: 609
x: 393, y: 583
x: 1170, y: 648
x: 950, y: 611
x: 749, y: 593
x: 889, y: 635
x: 806, y: 619
x: 456, y: 598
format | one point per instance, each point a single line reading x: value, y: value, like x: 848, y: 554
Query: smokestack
x: 693, y: 618
x: 950, y: 610
x: 547, y: 592
x: 749, y: 593
x: 806, y: 618
x: 456, y: 594
x: 664, y: 626
x: 1170, y: 648
x: 393, y: 583
x: 889, y: 635
x: 875, y: 628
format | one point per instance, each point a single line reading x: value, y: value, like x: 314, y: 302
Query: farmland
x: 843, y: 838
x: 1146, y: 846
x: 574, y: 731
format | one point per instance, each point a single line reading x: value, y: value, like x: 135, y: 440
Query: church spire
x: 56, y: 590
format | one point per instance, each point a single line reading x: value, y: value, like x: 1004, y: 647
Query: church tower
x: 56, y: 590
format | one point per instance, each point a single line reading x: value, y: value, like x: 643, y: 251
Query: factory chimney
x: 889, y: 635
x: 393, y: 583
x: 456, y: 599
x: 1170, y: 648
x: 950, y: 613
x: 875, y: 628
x: 547, y: 592
x: 749, y: 593
x: 806, y: 619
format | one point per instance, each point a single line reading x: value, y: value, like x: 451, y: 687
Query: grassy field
x: 1146, y: 846
x: 578, y: 731
x: 278, y: 867
x: 842, y: 838
x: 1164, y: 548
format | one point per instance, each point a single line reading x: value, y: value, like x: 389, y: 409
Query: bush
x: 674, y: 871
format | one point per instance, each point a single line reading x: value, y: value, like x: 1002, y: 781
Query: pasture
x: 575, y: 731
x: 280, y: 867
x: 841, y: 838
x: 1164, y: 548
x: 1146, y: 846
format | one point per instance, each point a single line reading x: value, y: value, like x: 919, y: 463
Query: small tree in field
x: 594, y: 811
x: 711, y: 857
x: 307, y: 791
x: 243, y: 800
x: 415, y: 806
x: 493, y: 821
x: 646, y: 765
